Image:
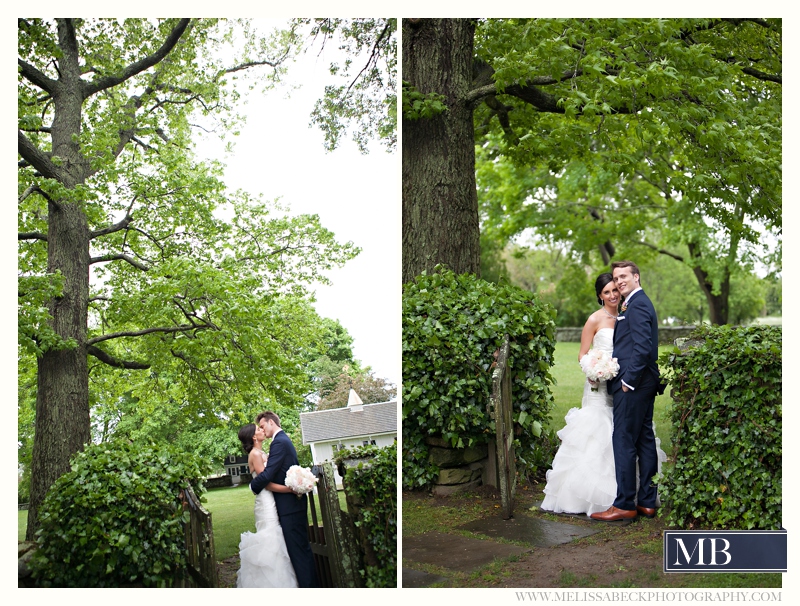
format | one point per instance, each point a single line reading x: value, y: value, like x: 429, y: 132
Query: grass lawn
x: 231, y: 513
x: 569, y: 391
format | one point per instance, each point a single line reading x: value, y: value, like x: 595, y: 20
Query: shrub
x: 452, y: 325
x: 115, y: 519
x: 727, y: 430
x: 374, y: 488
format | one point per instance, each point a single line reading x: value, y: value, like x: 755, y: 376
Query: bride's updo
x: 246, y: 434
x: 600, y: 284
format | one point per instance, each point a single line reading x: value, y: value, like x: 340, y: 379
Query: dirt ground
x: 615, y: 557
x: 611, y: 562
x: 226, y: 569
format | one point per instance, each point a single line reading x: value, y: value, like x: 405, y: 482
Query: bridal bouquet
x: 598, y: 365
x: 300, y: 479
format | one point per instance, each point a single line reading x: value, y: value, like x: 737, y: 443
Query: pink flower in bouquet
x: 598, y: 365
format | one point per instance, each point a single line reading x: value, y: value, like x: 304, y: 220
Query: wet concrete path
x: 467, y: 553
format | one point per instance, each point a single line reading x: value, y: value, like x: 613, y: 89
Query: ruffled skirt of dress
x: 264, y: 559
x: 583, y: 478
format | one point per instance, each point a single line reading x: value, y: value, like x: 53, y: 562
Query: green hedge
x: 374, y: 488
x: 726, y: 421
x: 115, y: 519
x: 452, y: 325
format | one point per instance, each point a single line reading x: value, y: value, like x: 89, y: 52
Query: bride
x: 583, y: 479
x: 264, y: 559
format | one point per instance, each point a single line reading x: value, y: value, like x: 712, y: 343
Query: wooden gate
x: 502, y: 411
x: 331, y: 533
x: 201, y: 560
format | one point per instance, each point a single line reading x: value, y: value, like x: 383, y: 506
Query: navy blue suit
x: 636, y: 350
x: 292, y: 510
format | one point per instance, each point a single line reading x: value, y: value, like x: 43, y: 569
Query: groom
x: 634, y: 391
x: 292, y: 511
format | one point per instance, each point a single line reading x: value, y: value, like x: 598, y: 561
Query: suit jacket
x: 635, y: 343
x: 282, y: 455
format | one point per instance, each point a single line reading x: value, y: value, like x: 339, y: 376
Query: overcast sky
x: 356, y: 196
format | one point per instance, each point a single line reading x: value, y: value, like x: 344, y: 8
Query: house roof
x: 349, y: 422
x: 234, y: 460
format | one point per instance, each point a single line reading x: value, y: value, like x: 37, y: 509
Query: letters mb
x: 710, y: 547
x: 725, y: 550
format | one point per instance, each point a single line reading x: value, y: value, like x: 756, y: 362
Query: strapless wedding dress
x: 582, y: 479
x: 264, y: 559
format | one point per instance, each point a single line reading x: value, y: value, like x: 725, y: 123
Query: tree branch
x: 111, y: 228
x: 760, y: 22
x: 750, y: 71
x: 119, y: 257
x: 373, y: 58
x: 533, y: 95
x: 32, y: 235
x: 141, y: 65
x: 242, y: 66
x: 117, y: 226
x: 145, y: 331
x: 37, y: 158
x: 761, y: 75
x: 36, y: 77
x: 181, y: 356
x: 115, y: 362
x: 477, y: 94
x: 661, y: 251
x: 28, y: 192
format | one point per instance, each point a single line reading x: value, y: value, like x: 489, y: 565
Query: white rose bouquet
x: 598, y: 365
x: 300, y: 480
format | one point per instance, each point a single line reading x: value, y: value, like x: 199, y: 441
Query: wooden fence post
x: 342, y: 553
x: 502, y: 409
x: 201, y: 559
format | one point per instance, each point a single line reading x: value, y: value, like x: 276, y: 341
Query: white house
x: 357, y: 424
x: 235, y: 466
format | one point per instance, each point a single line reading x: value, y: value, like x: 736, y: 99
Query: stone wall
x: 666, y: 334
x: 24, y: 553
x: 459, y: 468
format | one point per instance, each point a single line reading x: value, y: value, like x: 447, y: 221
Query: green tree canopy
x: 365, y: 105
x: 593, y: 132
x: 370, y: 389
x: 619, y: 136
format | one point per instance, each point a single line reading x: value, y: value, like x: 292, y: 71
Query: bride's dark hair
x: 246, y: 434
x: 600, y: 284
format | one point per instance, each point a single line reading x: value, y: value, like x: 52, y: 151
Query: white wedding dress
x: 264, y: 559
x: 582, y: 479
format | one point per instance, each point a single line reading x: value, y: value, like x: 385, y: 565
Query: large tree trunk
x: 440, y: 201
x: 62, y: 397
x: 717, y: 303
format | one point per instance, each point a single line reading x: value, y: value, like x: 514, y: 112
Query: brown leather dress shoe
x: 612, y: 514
x: 648, y: 512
